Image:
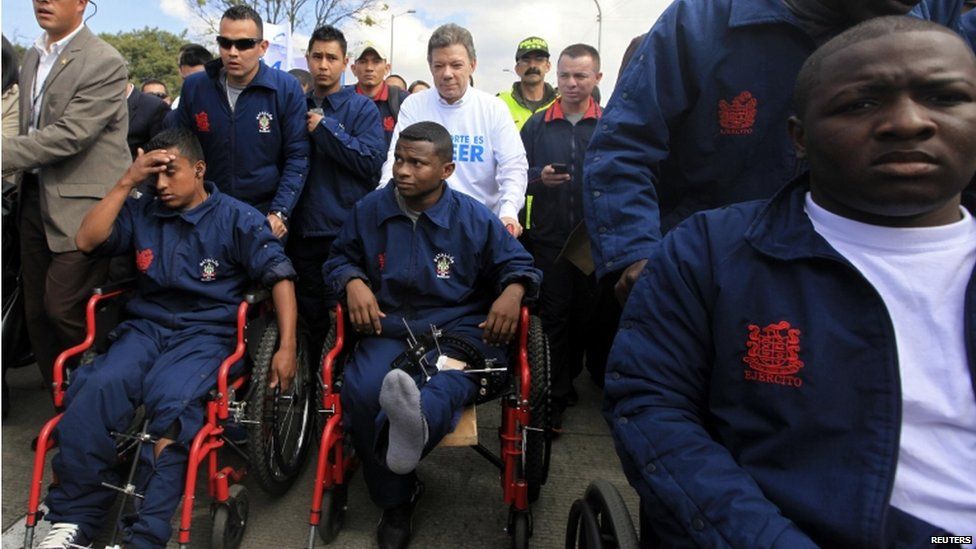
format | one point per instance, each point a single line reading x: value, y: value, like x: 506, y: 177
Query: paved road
x: 462, y: 506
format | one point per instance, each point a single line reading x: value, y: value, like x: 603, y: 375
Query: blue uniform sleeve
x: 180, y: 117
x: 656, y: 402
x: 260, y: 252
x: 295, y: 148
x: 529, y: 134
x: 632, y: 139
x: 357, y: 145
x: 346, y: 259
x: 507, y: 262
x: 119, y: 241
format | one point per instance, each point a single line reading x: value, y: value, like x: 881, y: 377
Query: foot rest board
x: 466, y: 432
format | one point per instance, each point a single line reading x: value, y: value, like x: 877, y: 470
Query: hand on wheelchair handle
x: 364, y: 310
x: 284, y: 365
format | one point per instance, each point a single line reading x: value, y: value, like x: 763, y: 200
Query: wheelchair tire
x: 230, y: 519
x: 600, y: 520
x: 538, y: 439
x: 519, y: 528
x: 334, y: 504
x: 279, y: 428
x: 616, y: 527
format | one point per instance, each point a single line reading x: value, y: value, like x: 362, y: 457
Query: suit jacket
x: 79, y: 147
x: 146, y: 114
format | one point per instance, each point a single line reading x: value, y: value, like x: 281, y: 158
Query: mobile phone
x: 560, y: 168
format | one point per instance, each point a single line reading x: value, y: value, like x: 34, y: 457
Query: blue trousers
x: 442, y: 399
x: 167, y: 370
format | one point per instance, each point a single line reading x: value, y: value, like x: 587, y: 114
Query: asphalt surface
x: 462, y: 506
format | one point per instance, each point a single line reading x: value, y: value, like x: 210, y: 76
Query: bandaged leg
x: 400, y: 399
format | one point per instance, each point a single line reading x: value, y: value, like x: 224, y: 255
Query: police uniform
x: 193, y: 269
x: 445, y: 270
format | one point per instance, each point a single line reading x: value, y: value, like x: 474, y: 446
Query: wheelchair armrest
x: 257, y: 295
x: 110, y: 287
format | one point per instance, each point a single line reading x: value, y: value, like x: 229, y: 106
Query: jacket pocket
x: 82, y: 190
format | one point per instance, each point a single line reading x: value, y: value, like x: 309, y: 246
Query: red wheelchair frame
x: 205, y: 444
x: 334, y: 467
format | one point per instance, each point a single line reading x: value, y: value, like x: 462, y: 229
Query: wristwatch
x: 281, y: 216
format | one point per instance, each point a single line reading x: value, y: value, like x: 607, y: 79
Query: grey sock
x: 400, y: 399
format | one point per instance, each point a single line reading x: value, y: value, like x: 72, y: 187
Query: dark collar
x: 263, y: 78
x: 337, y: 99
x: 440, y: 214
x: 196, y: 214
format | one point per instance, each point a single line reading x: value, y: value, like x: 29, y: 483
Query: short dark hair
x: 177, y: 138
x: 397, y: 76
x: 149, y: 81
x: 810, y: 75
x: 303, y: 76
x: 241, y: 12
x: 416, y: 83
x: 328, y: 33
x: 194, y: 55
x: 432, y: 132
x: 582, y: 50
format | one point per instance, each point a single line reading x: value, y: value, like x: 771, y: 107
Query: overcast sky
x: 497, y: 27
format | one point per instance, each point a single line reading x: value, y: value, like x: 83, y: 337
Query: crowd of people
x: 763, y: 250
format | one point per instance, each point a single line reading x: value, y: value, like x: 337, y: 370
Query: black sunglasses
x: 241, y: 43
x: 160, y: 95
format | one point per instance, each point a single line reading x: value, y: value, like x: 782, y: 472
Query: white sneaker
x: 64, y: 535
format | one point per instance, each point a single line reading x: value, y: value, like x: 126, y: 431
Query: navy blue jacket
x: 347, y: 152
x: 446, y: 271
x: 259, y: 152
x: 729, y: 440
x: 698, y: 120
x: 549, y: 138
x: 382, y: 101
x: 195, y: 266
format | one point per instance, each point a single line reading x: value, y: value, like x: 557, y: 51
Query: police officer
x: 531, y: 93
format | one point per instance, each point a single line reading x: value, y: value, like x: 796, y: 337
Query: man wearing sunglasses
x: 250, y: 119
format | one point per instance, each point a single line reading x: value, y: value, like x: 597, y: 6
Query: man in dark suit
x: 71, y: 149
x: 146, y: 114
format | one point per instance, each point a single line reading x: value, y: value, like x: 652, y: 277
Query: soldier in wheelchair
x: 197, y: 251
x: 420, y: 262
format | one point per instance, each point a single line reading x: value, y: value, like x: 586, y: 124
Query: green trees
x: 151, y: 53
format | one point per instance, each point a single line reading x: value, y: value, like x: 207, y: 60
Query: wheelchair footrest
x: 466, y: 431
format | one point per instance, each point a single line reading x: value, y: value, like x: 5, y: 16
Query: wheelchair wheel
x: 334, y: 504
x: 279, y: 424
x: 600, y: 520
x: 230, y: 520
x: 519, y: 528
x: 538, y: 441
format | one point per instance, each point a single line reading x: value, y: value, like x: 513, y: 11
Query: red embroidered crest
x: 381, y: 258
x: 203, y: 121
x: 144, y: 259
x: 773, y: 354
x: 388, y: 123
x: 737, y: 117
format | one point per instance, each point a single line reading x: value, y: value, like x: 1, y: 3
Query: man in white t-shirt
x: 488, y: 153
x: 801, y: 372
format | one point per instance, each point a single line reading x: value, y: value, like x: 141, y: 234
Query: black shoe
x: 396, y: 525
x: 572, y: 399
x: 556, y: 422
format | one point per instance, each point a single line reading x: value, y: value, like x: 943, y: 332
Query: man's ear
x: 447, y: 170
x: 794, y: 126
x: 199, y: 169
